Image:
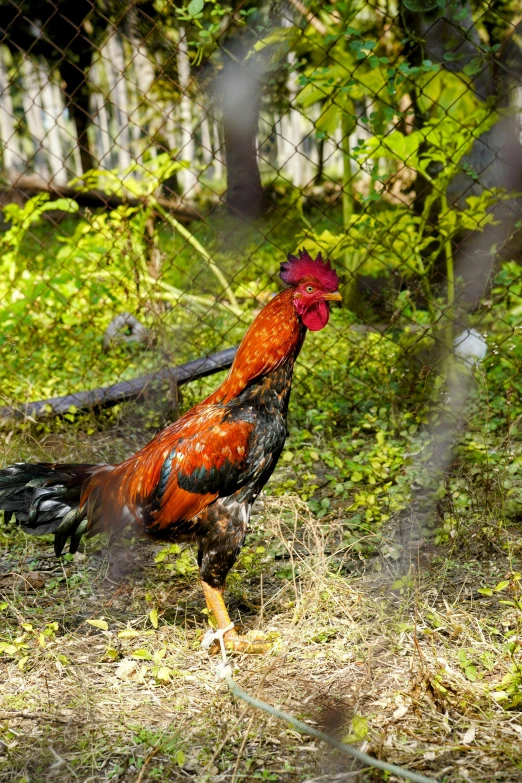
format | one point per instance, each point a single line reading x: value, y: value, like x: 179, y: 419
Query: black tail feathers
x: 45, y: 498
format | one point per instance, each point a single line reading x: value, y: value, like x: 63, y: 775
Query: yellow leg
x: 233, y: 642
x: 216, y: 605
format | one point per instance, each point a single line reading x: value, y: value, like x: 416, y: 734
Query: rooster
x: 198, y: 478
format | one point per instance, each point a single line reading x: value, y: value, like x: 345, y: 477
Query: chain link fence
x: 159, y: 161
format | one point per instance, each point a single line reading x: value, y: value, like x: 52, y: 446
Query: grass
x: 415, y: 659
x: 397, y: 628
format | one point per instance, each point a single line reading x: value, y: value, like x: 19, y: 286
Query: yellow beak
x: 334, y: 297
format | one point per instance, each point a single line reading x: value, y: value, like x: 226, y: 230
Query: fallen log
x: 124, y: 391
x: 27, y: 185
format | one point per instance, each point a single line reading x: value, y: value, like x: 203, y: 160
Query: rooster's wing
x: 175, y: 476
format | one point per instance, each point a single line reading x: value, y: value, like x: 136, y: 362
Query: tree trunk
x: 71, y: 153
x: 75, y: 76
x: 140, y: 87
x: 241, y: 88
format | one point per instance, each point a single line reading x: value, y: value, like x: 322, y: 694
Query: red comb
x: 298, y: 267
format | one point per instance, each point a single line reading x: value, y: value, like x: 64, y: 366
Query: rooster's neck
x: 267, y: 352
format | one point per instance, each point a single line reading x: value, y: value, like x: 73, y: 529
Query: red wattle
x: 316, y: 317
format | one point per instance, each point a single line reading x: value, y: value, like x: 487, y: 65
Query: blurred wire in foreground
x: 225, y: 671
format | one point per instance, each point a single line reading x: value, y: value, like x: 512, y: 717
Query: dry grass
x: 363, y: 650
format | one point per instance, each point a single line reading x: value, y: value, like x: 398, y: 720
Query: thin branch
x: 33, y: 716
x: 191, y: 239
x: 309, y: 16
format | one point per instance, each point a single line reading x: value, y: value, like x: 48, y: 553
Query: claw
x: 252, y: 643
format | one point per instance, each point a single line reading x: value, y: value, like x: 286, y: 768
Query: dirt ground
x: 104, y: 677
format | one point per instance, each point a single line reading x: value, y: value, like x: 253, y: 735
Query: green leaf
x: 153, y: 617
x: 162, y: 674
x: 180, y: 758
x: 171, y: 549
x: 421, y: 6
x: 128, y: 633
x: 474, y: 66
x: 195, y: 7
x: 450, y: 57
x: 502, y: 585
x: 9, y: 649
x: 142, y: 655
x: 280, y: 35
x: 329, y: 119
x: 101, y: 624
x: 63, y: 205
x: 471, y: 673
x: 359, y: 729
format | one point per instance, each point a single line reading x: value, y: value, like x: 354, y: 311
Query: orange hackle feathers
x: 274, y: 335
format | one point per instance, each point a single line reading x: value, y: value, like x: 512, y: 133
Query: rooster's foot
x: 250, y: 643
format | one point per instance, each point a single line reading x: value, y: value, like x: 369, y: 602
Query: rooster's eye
x: 309, y: 289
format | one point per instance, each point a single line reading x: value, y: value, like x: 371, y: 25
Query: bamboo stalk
x: 99, y: 101
x: 33, y: 114
x: 450, y: 284
x: 115, y: 69
x: 191, y: 239
x: 347, y: 127
x: 55, y: 151
x: 217, y: 151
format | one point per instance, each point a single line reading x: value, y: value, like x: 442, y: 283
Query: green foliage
x: 57, y: 301
x: 182, y: 563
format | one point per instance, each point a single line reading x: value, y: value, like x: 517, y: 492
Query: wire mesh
x: 158, y: 162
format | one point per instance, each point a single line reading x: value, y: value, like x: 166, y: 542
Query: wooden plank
x: 106, y: 396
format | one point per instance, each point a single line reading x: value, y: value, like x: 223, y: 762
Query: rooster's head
x: 314, y: 284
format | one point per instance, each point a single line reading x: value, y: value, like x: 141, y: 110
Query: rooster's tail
x: 45, y: 498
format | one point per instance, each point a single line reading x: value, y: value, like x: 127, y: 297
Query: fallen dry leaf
x: 400, y: 712
x: 126, y: 669
x: 469, y: 736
